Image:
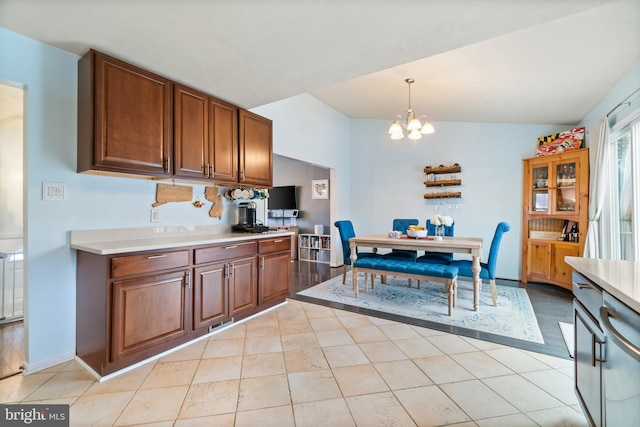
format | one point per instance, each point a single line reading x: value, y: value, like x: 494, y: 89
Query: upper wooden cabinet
x: 205, y: 137
x: 256, y: 160
x: 133, y: 122
x: 124, y: 118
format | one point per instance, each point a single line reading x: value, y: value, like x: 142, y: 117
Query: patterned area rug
x: 513, y: 317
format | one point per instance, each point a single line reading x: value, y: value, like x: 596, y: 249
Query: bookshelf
x: 314, y: 248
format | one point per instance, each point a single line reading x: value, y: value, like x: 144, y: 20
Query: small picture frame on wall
x: 320, y: 189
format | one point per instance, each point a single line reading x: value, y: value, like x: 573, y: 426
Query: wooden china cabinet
x: 555, y: 215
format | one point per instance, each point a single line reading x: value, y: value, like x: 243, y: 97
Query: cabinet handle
x: 187, y: 279
x: 168, y: 165
x: 242, y: 174
x: 261, y: 263
x: 157, y: 256
x: 205, y: 170
x: 230, y: 247
x: 230, y: 269
x: 211, y: 170
x: 621, y: 341
x: 278, y: 241
x: 584, y: 286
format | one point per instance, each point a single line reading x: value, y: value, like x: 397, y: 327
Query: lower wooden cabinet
x: 210, y: 295
x: 243, y: 286
x: 274, y: 266
x: 545, y: 262
x: 138, y: 325
x: 133, y: 306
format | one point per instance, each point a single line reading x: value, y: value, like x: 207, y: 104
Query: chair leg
x: 418, y: 284
x: 372, y: 282
x: 344, y: 274
x: 409, y: 283
x: 455, y: 292
x: 494, y: 292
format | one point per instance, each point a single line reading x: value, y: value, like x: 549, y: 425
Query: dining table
x: 463, y: 245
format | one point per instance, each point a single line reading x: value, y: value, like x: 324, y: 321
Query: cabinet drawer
x: 148, y: 263
x: 589, y: 295
x: 274, y: 245
x: 221, y: 252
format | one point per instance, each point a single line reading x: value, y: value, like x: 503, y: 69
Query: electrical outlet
x: 155, y: 215
x: 54, y: 191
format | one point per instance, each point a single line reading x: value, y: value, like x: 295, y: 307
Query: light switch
x: 54, y: 191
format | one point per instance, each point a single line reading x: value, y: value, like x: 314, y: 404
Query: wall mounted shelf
x: 443, y: 183
x: 443, y: 169
x: 447, y: 182
x: 455, y: 195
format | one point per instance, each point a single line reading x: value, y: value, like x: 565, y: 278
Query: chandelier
x: 415, y: 127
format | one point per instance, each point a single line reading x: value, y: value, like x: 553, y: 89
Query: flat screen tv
x: 283, y: 198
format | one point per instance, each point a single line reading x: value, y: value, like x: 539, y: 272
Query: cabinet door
x: 588, y: 368
x: 133, y: 116
x: 538, y: 260
x: 566, y: 186
x: 274, y: 278
x: 137, y: 322
x: 560, y: 270
x: 256, y: 162
x: 243, y: 285
x: 210, y: 295
x: 539, y: 184
x: 223, y: 141
x: 191, y: 134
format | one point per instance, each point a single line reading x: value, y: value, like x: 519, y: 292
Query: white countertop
x: 619, y: 278
x: 117, y: 241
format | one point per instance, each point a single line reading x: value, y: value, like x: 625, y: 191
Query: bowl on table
x: 416, y: 233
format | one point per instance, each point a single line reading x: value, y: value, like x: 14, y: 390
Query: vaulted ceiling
x: 518, y: 61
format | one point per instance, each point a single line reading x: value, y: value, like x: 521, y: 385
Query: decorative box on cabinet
x: 314, y: 248
x: 556, y: 198
x: 124, y: 118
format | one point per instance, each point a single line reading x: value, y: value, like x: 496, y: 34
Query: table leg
x: 354, y: 276
x: 477, y: 282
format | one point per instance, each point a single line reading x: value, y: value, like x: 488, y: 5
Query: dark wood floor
x: 550, y: 303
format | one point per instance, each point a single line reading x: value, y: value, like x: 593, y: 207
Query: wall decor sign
x: 320, y: 189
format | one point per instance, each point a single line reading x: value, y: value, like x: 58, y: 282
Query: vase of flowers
x: 440, y: 221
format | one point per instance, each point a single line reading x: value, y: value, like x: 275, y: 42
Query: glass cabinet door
x: 540, y: 186
x: 565, y: 200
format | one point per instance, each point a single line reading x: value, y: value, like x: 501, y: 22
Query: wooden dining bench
x: 448, y: 275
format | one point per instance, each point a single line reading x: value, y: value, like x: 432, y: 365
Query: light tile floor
x: 308, y: 365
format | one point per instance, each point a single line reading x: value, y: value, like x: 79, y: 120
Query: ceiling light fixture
x: 415, y: 127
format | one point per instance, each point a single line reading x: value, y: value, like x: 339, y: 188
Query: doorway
x: 11, y: 229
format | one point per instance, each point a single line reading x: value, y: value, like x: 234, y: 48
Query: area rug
x: 513, y: 317
x: 567, y: 336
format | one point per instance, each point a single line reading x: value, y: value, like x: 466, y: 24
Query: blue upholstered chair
x: 437, y: 257
x: 345, y: 228
x: 488, y: 269
x: 401, y: 224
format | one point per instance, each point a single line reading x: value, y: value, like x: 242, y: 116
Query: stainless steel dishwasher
x: 621, y: 375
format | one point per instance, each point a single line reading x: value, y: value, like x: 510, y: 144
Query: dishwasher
x: 621, y: 373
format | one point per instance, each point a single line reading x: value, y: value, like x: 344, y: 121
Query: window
x: 625, y: 191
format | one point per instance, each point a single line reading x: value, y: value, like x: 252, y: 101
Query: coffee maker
x: 247, y: 222
x: 247, y: 214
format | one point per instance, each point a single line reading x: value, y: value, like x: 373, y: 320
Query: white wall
x: 308, y: 130
x: 388, y: 179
